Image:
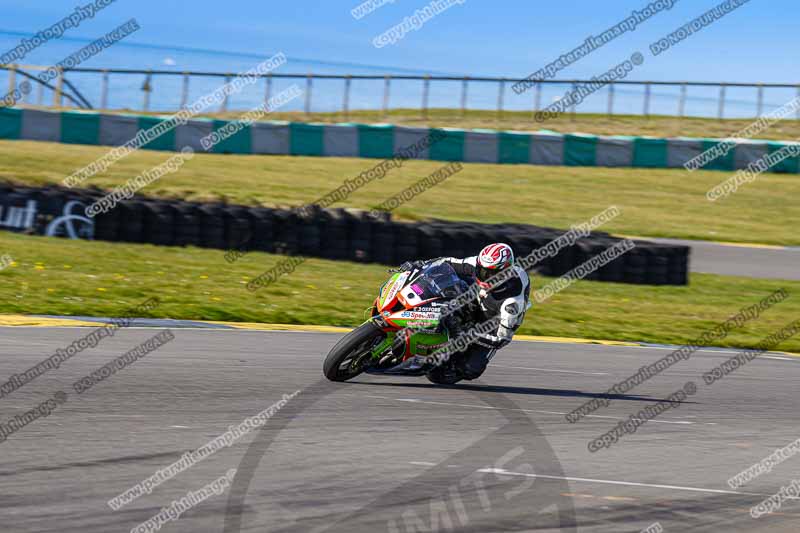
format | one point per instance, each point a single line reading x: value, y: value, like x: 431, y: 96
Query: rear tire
x: 441, y: 375
x: 345, y: 360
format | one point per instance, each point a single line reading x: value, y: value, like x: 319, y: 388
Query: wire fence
x: 154, y: 90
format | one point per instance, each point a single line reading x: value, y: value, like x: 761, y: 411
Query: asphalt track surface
x: 741, y: 260
x: 386, y: 453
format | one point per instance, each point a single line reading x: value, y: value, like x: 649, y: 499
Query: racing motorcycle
x: 410, y: 301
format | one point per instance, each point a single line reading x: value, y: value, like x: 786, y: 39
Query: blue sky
x: 756, y: 43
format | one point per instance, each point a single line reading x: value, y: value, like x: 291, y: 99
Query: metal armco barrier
x: 337, y: 234
x: 402, y: 96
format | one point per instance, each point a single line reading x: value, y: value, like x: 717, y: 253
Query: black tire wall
x: 343, y: 234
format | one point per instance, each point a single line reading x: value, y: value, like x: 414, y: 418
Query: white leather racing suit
x: 509, y: 300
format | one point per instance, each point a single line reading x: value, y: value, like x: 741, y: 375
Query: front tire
x: 346, y: 358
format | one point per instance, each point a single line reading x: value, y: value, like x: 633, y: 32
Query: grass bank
x: 59, y: 276
x: 654, y: 202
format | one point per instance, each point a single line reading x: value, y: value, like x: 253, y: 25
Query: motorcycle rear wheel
x: 346, y: 359
x: 443, y: 376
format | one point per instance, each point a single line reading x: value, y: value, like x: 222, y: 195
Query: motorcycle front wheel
x: 346, y: 359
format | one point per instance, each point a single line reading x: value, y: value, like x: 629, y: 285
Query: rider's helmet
x: 493, y: 259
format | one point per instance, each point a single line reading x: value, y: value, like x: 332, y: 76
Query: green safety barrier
x: 382, y: 141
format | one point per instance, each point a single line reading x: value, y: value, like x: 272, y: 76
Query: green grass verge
x: 596, y: 123
x: 654, y: 202
x: 59, y: 276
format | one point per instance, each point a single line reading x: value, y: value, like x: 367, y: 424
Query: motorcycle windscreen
x: 439, y: 281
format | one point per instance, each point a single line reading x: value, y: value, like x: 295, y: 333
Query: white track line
x: 709, y: 351
x: 551, y: 370
x: 612, y: 482
x: 470, y: 406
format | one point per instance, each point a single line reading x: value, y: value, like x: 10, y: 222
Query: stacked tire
x: 333, y: 235
x: 187, y: 224
x: 212, y: 226
x: 132, y: 214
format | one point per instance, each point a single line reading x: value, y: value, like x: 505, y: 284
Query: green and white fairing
x: 406, y: 303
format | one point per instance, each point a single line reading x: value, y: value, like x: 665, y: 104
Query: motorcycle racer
x: 508, y: 300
